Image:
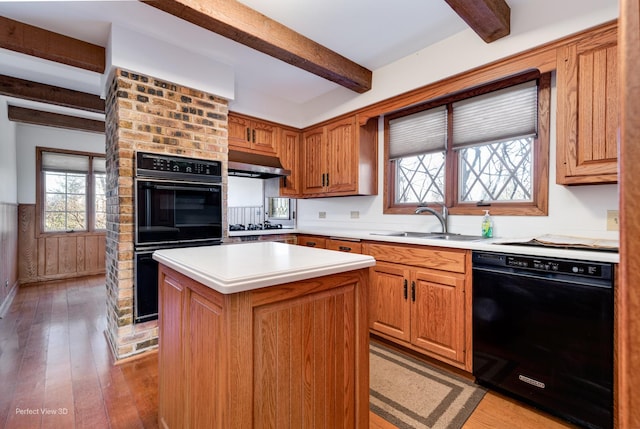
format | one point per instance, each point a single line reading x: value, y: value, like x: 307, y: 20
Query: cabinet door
x: 239, y: 131
x: 437, y: 313
x: 588, y: 110
x: 342, y: 156
x: 289, y: 154
x: 389, y: 305
x: 313, y: 161
x: 171, y: 312
x: 264, y: 137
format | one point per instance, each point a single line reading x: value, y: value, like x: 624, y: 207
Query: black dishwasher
x: 543, y: 333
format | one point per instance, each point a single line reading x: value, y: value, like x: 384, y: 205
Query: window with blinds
x: 73, y: 196
x: 487, y: 136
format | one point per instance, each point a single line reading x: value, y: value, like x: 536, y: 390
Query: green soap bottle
x: 487, y: 225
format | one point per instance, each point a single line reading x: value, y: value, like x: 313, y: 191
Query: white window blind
x: 418, y: 133
x: 99, y: 165
x: 63, y: 162
x: 496, y: 116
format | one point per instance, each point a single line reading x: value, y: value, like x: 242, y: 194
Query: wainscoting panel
x: 8, y: 253
x: 57, y: 256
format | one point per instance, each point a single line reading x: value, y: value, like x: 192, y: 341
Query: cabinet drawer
x: 312, y: 241
x: 419, y: 256
x: 344, y: 245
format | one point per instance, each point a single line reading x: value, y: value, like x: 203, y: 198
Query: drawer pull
x: 310, y: 244
x: 345, y: 248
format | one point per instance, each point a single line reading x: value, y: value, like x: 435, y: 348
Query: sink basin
x: 431, y: 235
x: 408, y: 234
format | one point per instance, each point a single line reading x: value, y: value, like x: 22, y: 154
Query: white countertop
x: 241, y: 267
x: 482, y: 244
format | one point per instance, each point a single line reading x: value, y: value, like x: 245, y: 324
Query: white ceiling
x: 373, y: 33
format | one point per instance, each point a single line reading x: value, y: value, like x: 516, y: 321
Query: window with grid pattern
x: 480, y: 148
x: 73, y: 196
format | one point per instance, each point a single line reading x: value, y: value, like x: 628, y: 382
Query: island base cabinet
x: 286, y: 356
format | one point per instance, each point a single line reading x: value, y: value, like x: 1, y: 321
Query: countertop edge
x: 483, y: 245
x: 243, y: 284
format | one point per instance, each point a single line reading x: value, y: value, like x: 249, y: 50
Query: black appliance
x: 178, y: 203
x: 543, y: 333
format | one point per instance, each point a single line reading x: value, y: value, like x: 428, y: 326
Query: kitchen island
x: 263, y: 335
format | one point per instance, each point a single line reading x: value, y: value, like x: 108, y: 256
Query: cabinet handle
x: 413, y: 291
x: 310, y: 244
x: 345, y: 248
x: 327, y: 179
x: 323, y: 180
x: 406, y: 294
x: 253, y: 133
x: 248, y: 134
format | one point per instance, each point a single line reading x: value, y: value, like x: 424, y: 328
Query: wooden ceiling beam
x: 244, y: 25
x: 39, y: 117
x: 490, y: 19
x: 41, y: 43
x: 20, y: 88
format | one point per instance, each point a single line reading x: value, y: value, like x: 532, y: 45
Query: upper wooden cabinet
x: 340, y: 158
x: 246, y: 133
x: 587, y: 115
x: 289, y: 154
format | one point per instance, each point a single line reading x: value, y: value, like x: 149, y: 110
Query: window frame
x: 541, y: 144
x: 90, y: 193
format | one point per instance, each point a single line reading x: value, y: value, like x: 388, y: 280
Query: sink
x: 457, y: 237
x: 430, y: 235
x: 408, y: 234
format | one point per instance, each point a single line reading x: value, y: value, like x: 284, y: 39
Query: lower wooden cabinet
x: 287, y: 356
x: 420, y: 297
x: 312, y: 241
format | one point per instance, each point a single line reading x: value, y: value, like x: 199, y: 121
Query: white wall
x: 577, y: 211
x: 28, y: 137
x: 8, y: 172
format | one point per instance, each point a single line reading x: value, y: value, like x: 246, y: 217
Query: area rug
x: 414, y: 395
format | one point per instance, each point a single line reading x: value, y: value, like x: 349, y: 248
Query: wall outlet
x: 613, y: 220
x: 355, y: 215
x: 322, y: 215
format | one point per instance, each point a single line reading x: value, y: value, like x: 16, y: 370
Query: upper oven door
x: 175, y: 212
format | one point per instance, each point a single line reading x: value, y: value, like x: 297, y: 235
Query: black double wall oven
x: 178, y: 203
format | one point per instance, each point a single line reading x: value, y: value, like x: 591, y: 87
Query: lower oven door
x: 145, y: 287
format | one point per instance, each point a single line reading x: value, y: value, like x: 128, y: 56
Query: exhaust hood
x: 245, y: 164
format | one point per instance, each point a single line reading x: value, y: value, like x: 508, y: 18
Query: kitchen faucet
x: 441, y: 217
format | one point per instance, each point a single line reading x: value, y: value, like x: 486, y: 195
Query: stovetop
x: 254, y: 226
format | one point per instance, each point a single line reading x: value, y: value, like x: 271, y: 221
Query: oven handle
x: 181, y: 188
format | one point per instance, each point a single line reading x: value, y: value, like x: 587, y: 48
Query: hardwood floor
x: 56, y: 370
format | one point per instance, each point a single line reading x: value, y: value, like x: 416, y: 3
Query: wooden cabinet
x: 264, y: 358
x: 252, y: 134
x: 420, y: 298
x: 340, y: 158
x: 347, y: 246
x: 289, y: 154
x: 587, y: 114
x: 312, y: 241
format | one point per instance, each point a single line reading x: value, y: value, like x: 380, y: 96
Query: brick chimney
x: 150, y: 115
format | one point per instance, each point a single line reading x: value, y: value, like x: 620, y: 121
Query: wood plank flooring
x: 56, y: 369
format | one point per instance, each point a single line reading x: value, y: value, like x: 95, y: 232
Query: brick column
x: 149, y: 115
